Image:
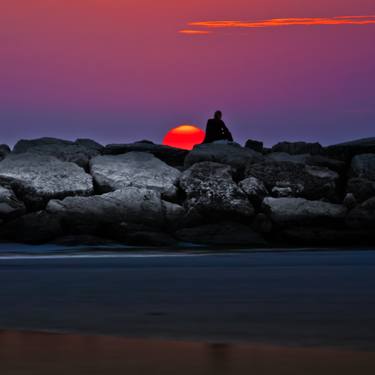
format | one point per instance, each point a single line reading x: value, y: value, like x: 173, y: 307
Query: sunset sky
x: 125, y: 70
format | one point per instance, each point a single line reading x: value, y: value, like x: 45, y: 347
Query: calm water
x: 307, y: 298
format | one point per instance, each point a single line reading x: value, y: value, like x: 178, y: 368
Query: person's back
x: 217, y: 130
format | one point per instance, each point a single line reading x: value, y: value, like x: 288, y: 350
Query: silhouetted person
x: 217, y: 130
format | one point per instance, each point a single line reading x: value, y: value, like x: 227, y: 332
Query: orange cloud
x: 195, y: 32
x: 282, y: 22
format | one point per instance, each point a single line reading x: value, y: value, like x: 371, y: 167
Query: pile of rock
x: 217, y: 194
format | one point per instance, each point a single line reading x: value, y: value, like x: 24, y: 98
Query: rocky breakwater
x: 216, y: 195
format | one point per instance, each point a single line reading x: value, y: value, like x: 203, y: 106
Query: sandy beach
x: 42, y: 353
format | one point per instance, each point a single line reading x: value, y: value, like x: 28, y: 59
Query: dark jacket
x: 217, y: 131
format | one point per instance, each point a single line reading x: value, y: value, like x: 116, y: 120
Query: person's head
x: 218, y: 115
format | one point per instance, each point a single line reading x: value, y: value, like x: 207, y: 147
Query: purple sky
x: 121, y: 70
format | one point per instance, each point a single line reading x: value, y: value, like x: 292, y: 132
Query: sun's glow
x: 184, y: 136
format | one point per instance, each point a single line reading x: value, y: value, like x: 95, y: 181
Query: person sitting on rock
x: 217, y: 130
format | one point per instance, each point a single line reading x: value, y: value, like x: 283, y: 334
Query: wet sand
x: 46, y: 354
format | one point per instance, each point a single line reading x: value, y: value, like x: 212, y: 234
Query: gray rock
x: 221, y: 234
x: 172, y: 156
x: 10, y: 206
x: 79, y: 152
x: 4, y: 151
x: 361, y: 188
x: 326, y: 162
x: 137, y: 169
x: 349, y: 201
x: 363, y: 216
x: 296, y: 148
x: 298, y: 210
x: 230, y: 154
x: 254, y: 145
x: 36, y: 227
x: 303, y: 181
x: 322, y: 173
x: 363, y: 166
x: 38, y: 178
x: 210, y: 190
x: 284, y: 192
x: 129, y: 205
x: 346, y: 151
x: 254, y: 188
x: 283, y: 156
x: 89, y: 144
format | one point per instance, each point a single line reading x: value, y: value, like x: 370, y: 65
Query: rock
x: 79, y: 152
x: 323, y: 161
x: 322, y: 173
x: 172, y: 156
x: 138, y: 169
x: 38, y: 178
x: 283, y: 192
x: 129, y: 205
x: 298, y: 210
x: 254, y: 145
x: 363, y: 216
x: 10, y: 206
x: 4, y: 151
x: 361, y: 188
x: 303, y: 181
x: 254, y: 189
x: 283, y: 156
x: 210, y: 190
x: 221, y: 234
x: 363, y: 166
x: 346, y: 151
x: 349, y: 201
x: 296, y: 148
x: 36, y: 227
x: 90, y: 144
x: 230, y: 154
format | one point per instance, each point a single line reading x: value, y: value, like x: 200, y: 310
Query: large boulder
x: 38, y: 178
x: 283, y: 156
x: 128, y: 205
x: 210, y: 190
x: 230, y: 154
x: 221, y: 234
x: 295, y: 179
x: 363, y: 166
x: 139, y: 169
x: 363, y: 216
x: 284, y: 211
x: 361, y: 188
x: 296, y: 148
x: 10, y: 205
x: 254, y: 145
x: 79, y: 152
x: 170, y: 155
x: 325, y: 162
x: 4, y: 151
x: 254, y: 189
x: 346, y: 151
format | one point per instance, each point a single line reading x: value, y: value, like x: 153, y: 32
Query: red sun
x: 184, y: 136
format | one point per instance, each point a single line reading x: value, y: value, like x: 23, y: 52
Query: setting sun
x: 184, y: 136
